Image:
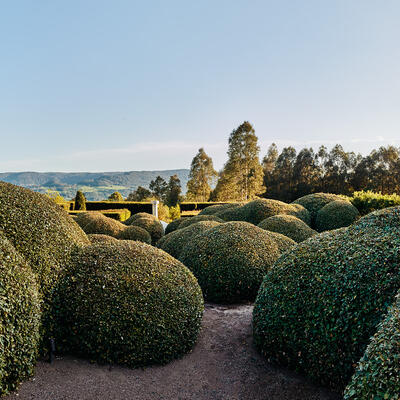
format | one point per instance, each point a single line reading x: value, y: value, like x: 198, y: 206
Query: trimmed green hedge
x: 94, y: 222
x: 99, y: 238
x: 44, y: 234
x: 230, y: 260
x: 128, y: 303
x: 378, y: 373
x: 336, y: 214
x: 119, y: 215
x: 198, y: 218
x: 314, y: 202
x: 19, y: 318
x: 135, y: 217
x: 322, y: 300
x: 152, y: 226
x: 174, y: 242
x: 135, y: 233
x: 173, y: 226
x: 288, y: 225
x: 212, y: 210
x: 369, y: 201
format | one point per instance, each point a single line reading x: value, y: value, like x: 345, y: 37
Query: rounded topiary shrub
x: 287, y: 225
x: 136, y: 216
x: 19, y: 317
x: 323, y: 299
x: 315, y: 201
x: 128, y: 303
x: 43, y: 233
x: 173, y: 226
x: 135, y: 233
x: 152, y: 226
x: 336, y: 214
x: 232, y: 214
x: 230, y: 260
x: 212, y: 210
x: 378, y: 373
x: 198, y: 218
x: 174, y: 242
x: 83, y: 218
x: 99, y: 223
x: 99, y: 238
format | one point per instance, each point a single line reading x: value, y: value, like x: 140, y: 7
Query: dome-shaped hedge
x: 152, y: 226
x: 128, y: 303
x: 135, y: 233
x: 378, y: 373
x: 100, y: 224
x: 315, y: 201
x: 174, y: 242
x: 230, y: 260
x: 198, y: 218
x: 322, y: 300
x: 336, y: 214
x: 42, y: 232
x: 19, y: 318
x: 99, y: 238
x: 173, y: 226
x: 287, y: 225
x: 211, y: 210
x: 83, y: 218
x: 136, y: 216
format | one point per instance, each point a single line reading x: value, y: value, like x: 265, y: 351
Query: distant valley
x: 95, y: 185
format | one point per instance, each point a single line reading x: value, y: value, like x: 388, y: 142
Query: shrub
x: 287, y: 225
x: 172, y: 226
x: 99, y: 238
x: 378, y: 373
x: 116, y: 196
x: 198, y: 218
x: 128, y: 303
x: 174, y: 212
x: 314, y: 202
x: 135, y: 233
x: 230, y: 260
x: 152, y: 226
x: 212, y: 210
x: 322, y: 300
x: 19, y: 317
x: 174, y: 242
x: 44, y: 234
x: 336, y: 214
x: 98, y: 223
x: 80, y: 201
x: 135, y: 217
x: 367, y: 202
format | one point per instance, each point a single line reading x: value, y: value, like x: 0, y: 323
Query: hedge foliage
x: 152, y: 225
x: 95, y: 222
x: 127, y: 303
x: 135, y: 233
x: 174, y: 242
x: 172, y: 226
x: 119, y: 215
x: 43, y: 233
x: 314, y: 202
x: 336, y: 214
x: 198, y: 218
x: 377, y: 376
x: 230, y: 260
x: 136, y: 216
x: 368, y: 201
x: 212, y: 210
x: 288, y: 225
x: 19, y: 317
x: 99, y: 238
x: 322, y: 300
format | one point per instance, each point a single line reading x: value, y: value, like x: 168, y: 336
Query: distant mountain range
x: 95, y: 185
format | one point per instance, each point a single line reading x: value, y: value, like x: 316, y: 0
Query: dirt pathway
x: 223, y: 366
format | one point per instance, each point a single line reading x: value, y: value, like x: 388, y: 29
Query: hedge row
x: 119, y: 215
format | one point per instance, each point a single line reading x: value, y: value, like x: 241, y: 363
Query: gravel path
x: 223, y: 366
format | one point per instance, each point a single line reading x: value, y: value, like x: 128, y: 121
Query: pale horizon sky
x: 126, y: 85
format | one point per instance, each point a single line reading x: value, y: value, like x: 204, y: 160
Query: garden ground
x: 224, y: 365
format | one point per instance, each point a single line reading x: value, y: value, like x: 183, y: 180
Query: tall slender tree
x: 201, y: 177
x: 173, y: 192
x: 158, y: 187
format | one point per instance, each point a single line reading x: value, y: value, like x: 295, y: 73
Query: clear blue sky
x: 94, y: 85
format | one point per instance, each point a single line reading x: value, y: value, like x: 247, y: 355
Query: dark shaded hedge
x: 198, y: 218
x: 378, y: 373
x: 136, y: 216
x: 174, y: 242
x: 212, y: 210
x: 314, y: 202
x: 43, y: 233
x: 173, y: 226
x: 336, y: 214
x: 128, y: 303
x: 257, y: 210
x: 19, y: 317
x: 230, y: 260
x: 288, y: 225
x: 322, y: 300
x: 152, y: 226
x: 135, y: 233
x: 97, y: 223
x: 99, y: 238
